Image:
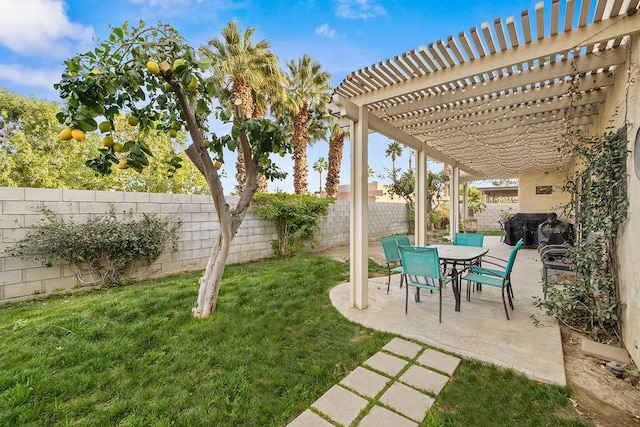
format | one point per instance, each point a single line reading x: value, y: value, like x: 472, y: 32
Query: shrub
x: 105, y: 245
x: 440, y: 219
x: 296, y: 217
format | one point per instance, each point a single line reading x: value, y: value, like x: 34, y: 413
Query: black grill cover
x: 523, y: 225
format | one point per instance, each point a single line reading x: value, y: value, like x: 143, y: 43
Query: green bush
x: 440, y: 219
x: 105, y: 245
x: 296, y: 217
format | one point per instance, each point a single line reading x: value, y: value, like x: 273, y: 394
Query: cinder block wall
x: 488, y: 220
x: 19, y: 209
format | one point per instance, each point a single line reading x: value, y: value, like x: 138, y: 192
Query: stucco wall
x: 623, y: 103
x: 530, y: 202
x: 19, y: 209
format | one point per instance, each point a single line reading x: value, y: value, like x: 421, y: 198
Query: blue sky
x: 36, y: 36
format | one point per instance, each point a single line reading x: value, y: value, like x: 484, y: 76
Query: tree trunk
x: 336, y: 145
x: 241, y: 91
x: 210, y: 280
x: 300, y: 140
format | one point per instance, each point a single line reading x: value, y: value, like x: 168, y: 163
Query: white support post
x: 420, y: 204
x: 359, y: 230
x: 465, y: 200
x: 454, y: 198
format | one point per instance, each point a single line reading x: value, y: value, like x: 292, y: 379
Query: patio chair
x: 470, y: 239
x: 422, y: 270
x: 402, y: 239
x: 392, y: 256
x: 498, y: 277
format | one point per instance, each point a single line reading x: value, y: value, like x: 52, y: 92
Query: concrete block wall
x: 488, y: 220
x: 19, y: 209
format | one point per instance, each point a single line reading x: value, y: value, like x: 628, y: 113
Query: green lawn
x: 134, y: 356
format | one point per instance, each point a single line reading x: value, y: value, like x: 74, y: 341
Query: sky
x: 36, y: 36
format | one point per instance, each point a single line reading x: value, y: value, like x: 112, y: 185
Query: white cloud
x: 29, y: 77
x: 42, y: 27
x: 326, y: 31
x: 359, y: 9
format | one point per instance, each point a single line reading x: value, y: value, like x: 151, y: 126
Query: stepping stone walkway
x: 395, y: 387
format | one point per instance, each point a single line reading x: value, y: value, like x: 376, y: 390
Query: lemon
x: 107, y: 141
x: 65, y: 135
x: 153, y: 67
x: 122, y: 164
x: 217, y: 164
x: 282, y: 154
x: 78, y: 135
x: 176, y: 125
x: 133, y: 121
x: 117, y: 147
x: 173, y: 133
x: 104, y: 126
x: 193, y: 83
x: 178, y: 63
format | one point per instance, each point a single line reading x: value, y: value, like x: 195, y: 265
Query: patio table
x: 458, y: 254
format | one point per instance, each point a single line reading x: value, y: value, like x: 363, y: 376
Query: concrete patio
x: 480, y: 330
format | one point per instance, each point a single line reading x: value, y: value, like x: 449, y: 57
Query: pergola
x: 492, y: 102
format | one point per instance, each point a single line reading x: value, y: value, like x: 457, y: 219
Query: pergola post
x: 359, y: 221
x: 465, y: 200
x: 454, y: 200
x: 420, y: 204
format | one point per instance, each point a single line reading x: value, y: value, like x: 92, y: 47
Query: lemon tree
x: 151, y: 75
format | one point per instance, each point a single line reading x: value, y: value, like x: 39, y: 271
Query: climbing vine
x: 599, y: 205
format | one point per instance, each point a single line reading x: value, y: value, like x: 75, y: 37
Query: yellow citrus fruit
x: 178, y: 63
x: 78, y: 135
x: 176, y: 125
x: 117, y: 147
x: 65, y: 135
x: 153, y: 67
x: 173, y: 133
x: 193, y: 83
x: 217, y: 164
x: 95, y: 71
x: 133, y: 121
x: 107, y: 141
x: 122, y: 164
x: 282, y: 154
x: 104, y: 126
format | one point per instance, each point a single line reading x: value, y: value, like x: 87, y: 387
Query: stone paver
x: 406, y: 396
x: 407, y: 401
x: 382, y: 417
x: 440, y: 361
x: 309, y: 419
x: 605, y: 352
x: 340, y: 405
x: 403, y: 347
x: 424, y: 379
x: 386, y: 363
x: 365, y: 382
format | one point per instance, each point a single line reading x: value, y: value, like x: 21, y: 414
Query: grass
x: 134, y: 356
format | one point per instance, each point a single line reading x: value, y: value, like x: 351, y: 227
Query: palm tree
x: 245, y: 71
x: 308, y: 91
x: 320, y: 165
x: 336, y: 143
x: 394, y: 149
